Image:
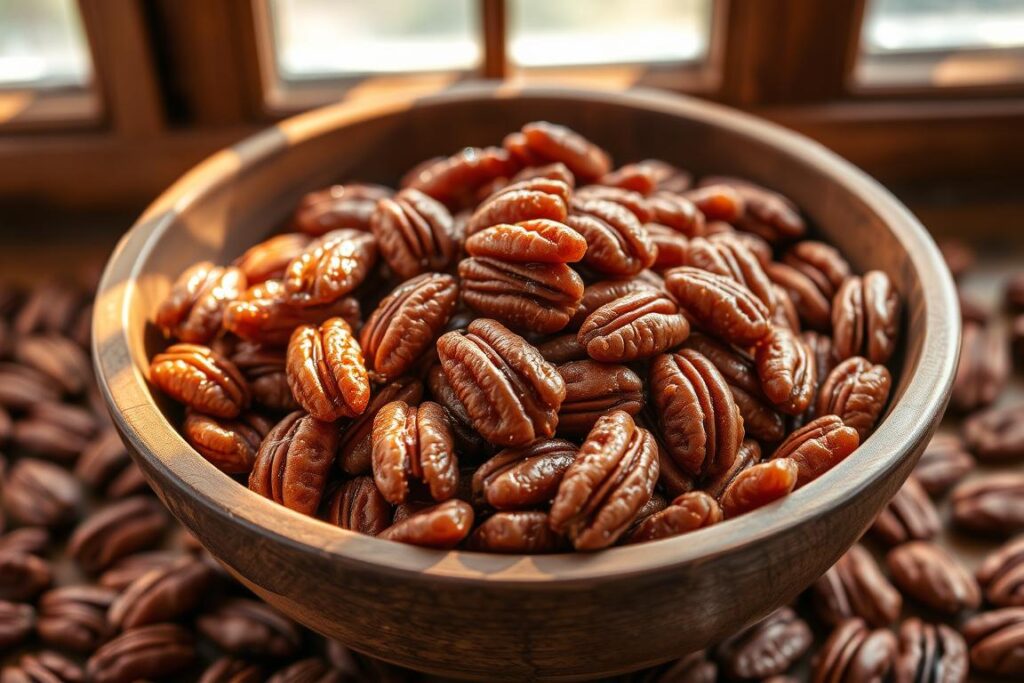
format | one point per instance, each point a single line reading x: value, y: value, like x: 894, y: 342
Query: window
x: 42, y: 45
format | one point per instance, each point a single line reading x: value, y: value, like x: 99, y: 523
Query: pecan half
x: 539, y: 240
x: 997, y: 434
x: 991, y: 505
x: 729, y: 256
x: 538, y: 297
x: 766, y: 213
x: 358, y: 505
x: 1001, y: 575
x: 326, y: 372
x: 759, y: 485
x: 932, y: 576
x: 856, y: 653
x: 230, y: 445
x: 525, y: 532
x: 617, y: 243
x: 39, y: 493
x: 442, y: 526
x: 293, y: 462
x: 818, y: 446
x: 355, y: 447
x: 553, y: 142
x: 338, y: 206
x: 720, y: 305
x: 856, y: 587
x: 813, y: 308
x: 604, y: 292
x: 265, y: 314
x: 415, y: 233
x: 688, y: 512
x: 638, y: 325
x: 201, y: 379
x: 996, y: 639
x: 117, y: 530
x: 269, y: 259
x: 194, y: 308
x: 930, y: 652
x: 788, y: 372
x: 455, y: 179
x: 331, y: 267
x: 676, y: 212
x: 910, y: 515
x: 593, y: 389
x: 75, y: 617
x: 529, y: 200
x: 944, y: 462
x: 161, y: 595
x: 524, y: 476
x: 414, y: 445
x: 153, y: 651
x: 866, y: 317
x: 983, y: 370
x: 857, y: 391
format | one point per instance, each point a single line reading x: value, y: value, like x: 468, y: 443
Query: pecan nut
x: 533, y: 200
x: 330, y: 267
x: 538, y: 297
x: 856, y: 587
x: 818, y: 446
x: 638, y: 325
x: 358, y: 505
x: 538, y: 240
x: 522, y: 532
x: 413, y: 445
x: 593, y: 389
x: 857, y: 391
x: 230, y: 445
x: 338, y: 206
x: 201, y: 379
x: 865, y: 317
x: 687, y: 512
x: 443, y: 526
x: 193, y: 310
x: 932, y: 576
x: 524, y: 476
x: 415, y: 233
x: 720, y: 305
x: 617, y: 244
x: 265, y: 314
x: 788, y: 372
x: 326, y: 372
x: 759, y: 485
x: 293, y: 462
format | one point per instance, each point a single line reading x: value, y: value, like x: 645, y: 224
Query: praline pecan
x: 75, y: 617
x: 611, y: 479
x: 524, y: 201
x: 269, y: 259
x: 593, y: 389
x: 910, y: 515
x: 264, y: 369
x: 553, y: 142
x: 991, y: 505
x: 1001, y: 575
x: 266, y: 315
x: 996, y: 640
x: 338, y: 206
x: 638, y: 325
x: 818, y: 446
x: 599, y: 293
x: 687, y: 512
x: 406, y: 323
x: 538, y: 297
x: 455, y: 179
x: 116, y: 530
x: 326, y: 372
x: 812, y: 306
x: 39, y: 493
x: 766, y: 213
x: 153, y: 651
x: 759, y: 485
x: 720, y: 305
x: 617, y: 243
x: 511, y: 394
x: 59, y: 358
x: 293, y: 462
x: 194, y: 308
x: 16, y: 624
x: 748, y: 455
x: 788, y: 372
x: 930, y: 652
x: 415, y: 233
x: 523, y: 476
x: 355, y: 447
x: 855, y: 653
x: 538, y: 240
x: 769, y: 647
x: 443, y: 526
x: 720, y: 203
x: 729, y: 256
x: 944, y: 462
x: 857, y: 391
x: 201, y: 379
x: 331, y: 267
x: 525, y: 532
x: 23, y: 576
x: 358, y: 505
x: 983, y: 370
x: 676, y: 212
x: 932, y: 576
x: 866, y: 317
x: 414, y: 445
x: 162, y: 594
x: 856, y: 587
x: 230, y: 445
x: 699, y: 419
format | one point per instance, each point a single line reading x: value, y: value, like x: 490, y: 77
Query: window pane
x: 331, y: 38
x: 42, y: 45
x: 892, y: 26
x: 573, y: 32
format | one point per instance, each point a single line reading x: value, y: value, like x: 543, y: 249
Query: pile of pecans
x: 558, y: 354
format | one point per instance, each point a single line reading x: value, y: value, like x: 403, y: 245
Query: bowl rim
x: 126, y: 392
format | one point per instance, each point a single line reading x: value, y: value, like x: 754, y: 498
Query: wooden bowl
x: 492, y: 617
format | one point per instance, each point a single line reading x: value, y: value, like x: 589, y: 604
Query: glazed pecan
x: 996, y: 640
x: 676, y: 212
x: 563, y: 348
x: 857, y: 391
x: 991, y: 505
x: 269, y: 259
x: 245, y: 627
x: 525, y: 201
x: 201, y: 379
x: 415, y: 233
x: 443, y: 526
x: 511, y: 394
x: 355, y: 447
x: 59, y: 358
x: 266, y: 315
x: 813, y: 308
x: 818, y: 446
x: 855, y: 653
x: 641, y: 177
x: 538, y: 240
x: 747, y: 456
x: 153, y: 651
x: 610, y: 480
x: 406, y: 323
x: 75, y: 617
x: 821, y: 350
x: 194, y: 308
x: 538, y: 297
x: 699, y: 419
x: 556, y: 170
x: 525, y: 532
x: 718, y: 202
x: 593, y: 389
x: 264, y: 369
x: 524, y: 476
x: 930, y: 652
x: 293, y: 462
x: 326, y: 372
x: 910, y: 515
x: 116, y: 530
x: 866, y: 317
x: 728, y: 256
x: 39, y: 493
x: 767, y: 648
x: 785, y: 313
x: 759, y: 485
x: 766, y: 213
x: 553, y: 142
x: 634, y: 202
x: 788, y: 372
x: 331, y: 267
x: 161, y: 595
x: 944, y: 462
x: 996, y: 435
x: 468, y: 441
x: 638, y: 325
x: 671, y: 246
x: 338, y: 206
x: 230, y: 445
x: 720, y: 305
x: 983, y: 369
x: 932, y: 576
x: 414, y: 445
x: 856, y: 587
x: 358, y: 505
x: 1001, y: 575
x: 455, y: 179
x: 821, y: 263
x: 688, y: 512
x: 617, y: 244
x: 604, y: 292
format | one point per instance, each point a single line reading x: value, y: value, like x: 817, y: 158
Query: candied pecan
x: 991, y: 505
x: 524, y: 476
x: 265, y: 314
x: 604, y: 292
x: 524, y: 201
x: 442, y: 526
x: 821, y: 263
x: 857, y: 391
x: 769, y: 647
x: 355, y: 446
x: 292, y: 463
x: 944, y: 462
x: 996, y: 640
x: 193, y: 310
x: 728, y: 256
x: 634, y: 202
x: 766, y: 213
x: 16, y: 624
x: 468, y: 441
x: 983, y: 369
x: 59, y: 358
x: 930, y: 652
x: 788, y: 372
x: 818, y: 446
x: 326, y: 372
x: 676, y: 212
x: 717, y: 202
x: 748, y: 455
x: 617, y: 243
x: 201, y: 379
x: 671, y: 246
x: 541, y: 240
x: 910, y: 515
x: 412, y: 445
x: 39, y: 493
x: 553, y: 142
x: 230, y: 445
x: 605, y: 487
x: 785, y: 313
x: 511, y: 394
x: 153, y: 651
x: 866, y: 317
x: 455, y: 179
x: 1001, y: 575
x: 641, y: 177
x: 358, y: 505
x: 821, y: 350
x: 75, y: 617
x: 539, y: 297
x: 331, y: 267
x: 699, y: 419
x: 687, y: 512
x: 269, y: 259
x: 563, y: 348
x: 23, y: 576
x: 244, y: 627
x: 593, y: 389
x: 553, y: 171
x: 855, y: 653
x: 813, y: 308
x: 759, y: 485
x: 997, y: 434
x: 524, y: 532
x: 415, y: 234
x: 406, y: 323
x: 117, y: 530
x: 162, y: 594
x: 638, y: 325
x: 856, y: 587
x: 720, y: 305
x: 264, y: 370
x: 338, y: 206
x: 929, y: 574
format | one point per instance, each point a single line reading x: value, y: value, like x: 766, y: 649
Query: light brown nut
x: 857, y: 391
x: 717, y: 202
x: 748, y: 455
x: 553, y: 142
x: 524, y: 476
x: 269, y: 259
x: 866, y: 317
x: 766, y: 213
x: 812, y: 306
x: 759, y: 485
x: 536, y: 297
x: 75, y: 617
x: 720, y: 305
x: 538, y: 240
x: 617, y: 244
x: 117, y: 530
x: 230, y: 445
x: 688, y: 512
x: 146, y: 652
x: 818, y: 446
x: 593, y: 389
x: 442, y: 526
x: 358, y: 505
x: 201, y: 379
x: 529, y: 200
x: 326, y: 372
x: 193, y: 309
x: 562, y: 348
x: 634, y: 202
x: 414, y: 445
x: 293, y: 462
x: 455, y: 180
x: 983, y: 369
x: 526, y: 532
x: 603, y: 292
x: 415, y: 234
x: 638, y: 325
x: 787, y: 371
x: 676, y: 212
x: 330, y: 267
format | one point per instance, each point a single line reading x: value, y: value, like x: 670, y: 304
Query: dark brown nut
x: 857, y: 391
x: 159, y: 650
x: 553, y: 142
x: 693, y: 668
x: 50, y: 307
x: 411, y: 446
x: 331, y: 267
x: 117, y: 530
x: 193, y: 310
x: 309, y: 670
x: 293, y: 462
x: 269, y: 259
x: 638, y: 325
x: 229, y: 445
x: 338, y: 206
x: 944, y: 462
x: 688, y: 512
x: 997, y: 434
x: 991, y: 505
x: 593, y: 389
x: 563, y: 348
x: 201, y: 379
x: 1001, y: 575
x: 38, y: 493
x: 523, y: 477
x: 635, y: 202
x: 1017, y: 339
x: 127, y: 569
x: 232, y: 670
x: 264, y: 370
x: 766, y: 213
x: 415, y: 233
x: 909, y: 516
x: 59, y: 358
x: 641, y: 177
x: 759, y: 485
x: 818, y: 446
x: 355, y: 446
x: 1013, y: 292
x: 537, y: 297
x: 604, y: 292
x: 104, y: 464
x: 821, y: 263
x: 996, y: 640
x: 511, y: 394
x: 855, y: 653
x: 747, y: 456
x: 266, y: 315
x: 866, y: 317
x: 442, y: 526
x: 720, y: 305
x: 22, y: 387
x: 676, y: 212
x: 821, y: 350
x: 16, y: 623
x: 930, y: 652
x: 672, y: 247
x: 528, y: 200
x: 58, y: 431
x: 23, y: 576
x: 7, y: 424
x: 813, y: 308
x: 42, y: 667
x: 525, y: 532
x: 161, y: 595
x: 454, y: 180
x: 699, y: 419
x: 407, y: 322
x: 326, y: 372
x: 983, y: 370
x: 856, y: 587
x: 767, y: 648
x: 28, y: 540
x: 611, y: 479
x: 932, y: 576
x: 539, y: 240
x: 730, y: 257
x: 244, y: 627
x: 617, y: 244
x: 75, y: 617
x: 785, y: 313
x: 358, y: 505
x: 788, y: 374
x: 468, y: 441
